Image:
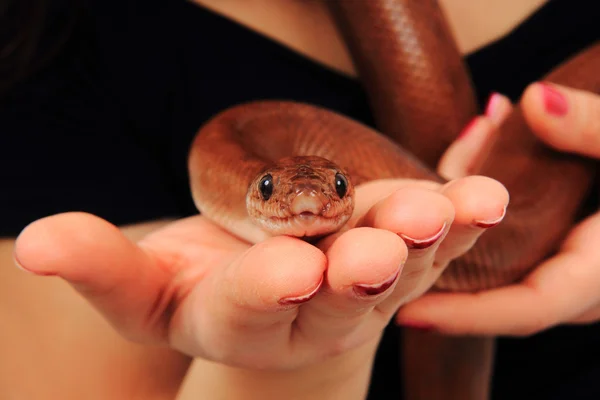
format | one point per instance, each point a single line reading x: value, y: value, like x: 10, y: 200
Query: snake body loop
x: 546, y: 187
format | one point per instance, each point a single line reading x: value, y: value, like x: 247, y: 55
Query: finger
x: 458, y: 158
x: 422, y: 218
x: 564, y: 288
x: 370, y: 193
x: 561, y: 289
x: 589, y: 316
x: 244, y: 312
x: 583, y: 240
x: 364, y: 265
x: 565, y: 118
x: 119, y: 278
x: 480, y: 203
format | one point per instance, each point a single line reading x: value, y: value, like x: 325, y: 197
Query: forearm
x: 343, y: 377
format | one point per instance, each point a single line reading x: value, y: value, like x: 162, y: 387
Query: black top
x: 106, y: 127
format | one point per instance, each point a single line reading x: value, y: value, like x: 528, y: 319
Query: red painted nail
x: 375, y: 289
x: 301, y: 299
x: 492, y: 222
x: 467, y: 129
x: 413, y: 243
x: 492, y: 105
x: 554, y: 101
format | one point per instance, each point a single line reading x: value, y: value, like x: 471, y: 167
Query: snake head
x: 304, y: 196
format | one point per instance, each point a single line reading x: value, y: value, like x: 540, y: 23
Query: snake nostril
x: 306, y: 205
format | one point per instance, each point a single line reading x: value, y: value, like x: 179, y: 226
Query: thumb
x: 119, y: 278
x: 565, y: 118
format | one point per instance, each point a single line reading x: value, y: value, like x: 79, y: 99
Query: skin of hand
x: 564, y: 289
x: 282, y: 304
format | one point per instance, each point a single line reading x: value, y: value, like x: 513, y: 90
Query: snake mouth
x: 305, y: 224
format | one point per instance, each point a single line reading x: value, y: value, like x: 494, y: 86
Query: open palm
x: 279, y: 304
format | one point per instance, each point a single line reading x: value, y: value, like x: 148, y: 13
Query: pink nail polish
x: 492, y: 105
x: 300, y: 299
x: 554, y: 101
x: 375, y: 289
x: 467, y: 129
x: 413, y: 243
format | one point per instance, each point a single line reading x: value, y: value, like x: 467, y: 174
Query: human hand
x: 280, y: 304
x: 565, y: 289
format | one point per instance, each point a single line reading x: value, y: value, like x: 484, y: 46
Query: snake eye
x: 341, y: 185
x: 266, y: 186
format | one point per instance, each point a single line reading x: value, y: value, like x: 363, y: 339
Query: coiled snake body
x: 249, y: 174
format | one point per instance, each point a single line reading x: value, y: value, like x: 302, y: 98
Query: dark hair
x: 32, y: 32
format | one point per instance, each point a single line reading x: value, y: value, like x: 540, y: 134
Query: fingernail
x: 491, y: 222
x: 301, y: 299
x: 554, y: 101
x: 420, y: 326
x: 377, y: 288
x: 20, y: 266
x: 492, y: 105
x: 413, y: 243
x: 467, y: 129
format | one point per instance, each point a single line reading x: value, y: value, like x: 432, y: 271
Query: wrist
x: 344, y: 376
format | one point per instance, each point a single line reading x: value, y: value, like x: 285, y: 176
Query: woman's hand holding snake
x: 566, y: 287
x: 281, y: 304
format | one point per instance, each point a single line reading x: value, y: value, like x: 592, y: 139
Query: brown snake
x: 248, y: 173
